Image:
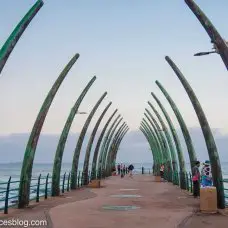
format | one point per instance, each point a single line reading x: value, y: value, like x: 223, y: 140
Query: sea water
x: 13, y: 170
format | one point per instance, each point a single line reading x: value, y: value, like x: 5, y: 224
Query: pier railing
x: 40, y: 187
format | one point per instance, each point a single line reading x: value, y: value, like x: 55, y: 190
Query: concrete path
x: 160, y: 205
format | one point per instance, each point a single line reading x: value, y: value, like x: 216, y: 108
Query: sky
x: 124, y: 44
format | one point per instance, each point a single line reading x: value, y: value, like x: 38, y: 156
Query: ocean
x: 13, y: 170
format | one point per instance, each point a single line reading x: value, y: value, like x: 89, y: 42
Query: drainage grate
x: 126, y: 196
x: 121, y: 208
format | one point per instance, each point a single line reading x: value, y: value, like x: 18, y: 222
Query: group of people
x: 122, y: 170
x: 203, y: 178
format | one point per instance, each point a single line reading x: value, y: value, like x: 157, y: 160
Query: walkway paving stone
x: 161, y: 205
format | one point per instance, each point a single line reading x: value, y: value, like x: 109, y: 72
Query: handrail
x: 40, y: 187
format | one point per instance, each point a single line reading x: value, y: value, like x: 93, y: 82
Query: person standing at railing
x: 196, y: 179
x: 206, y: 175
x: 118, y: 168
x: 162, y: 169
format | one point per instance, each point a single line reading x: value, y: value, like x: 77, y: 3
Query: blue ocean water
x: 13, y: 170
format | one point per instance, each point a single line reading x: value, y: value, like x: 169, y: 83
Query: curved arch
x: 62, y: 140
x: 12, y: 40
x: 170, y: 143
x: 108, y: 143
x: 26, y: 171
x: 118, y: 144
x: 101, y: 155
x: 154, y: 140
x: 74, y: 169
x: 183, y: 126
x: 108, y: 164
x: 90, y: 143
x: 155, y: 152
x: 208, y: 136
x: 216, y: 38
x: 96, y: 151
x: 155, y: 136
x: 176, y: 140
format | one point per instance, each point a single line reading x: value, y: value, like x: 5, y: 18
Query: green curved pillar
x: 118, y: 144
x: 160, y: 135
x: 101, y: 155
x: 90, y: 144
x: 74, y: 169
x: 11, y: 42
x: 154, y: 150
x: 63, y: 138
x: 96, y: 151
x: 26, y: 171
x: 168, y: 163
x: 177, y: 142
x: 169, y: 141
x: 208, y: 136
x: 108, y: 164
x: 110, y: 160
x: 183, y: 126
x: 108, y: 143
x: 156, y: 158
x: 154, y: 139
x: 216, y: 38
x: 154, y: 136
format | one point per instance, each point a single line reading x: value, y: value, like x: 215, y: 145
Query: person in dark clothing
x: 130, y: 168
x: 118, y: 168
x: 196, y: 179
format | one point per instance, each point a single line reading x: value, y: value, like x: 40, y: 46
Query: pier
x: 67, y: 199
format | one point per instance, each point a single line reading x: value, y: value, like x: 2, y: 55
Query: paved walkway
x: 160, y: 205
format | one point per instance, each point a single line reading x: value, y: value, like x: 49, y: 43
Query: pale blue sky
x: 123, y: 43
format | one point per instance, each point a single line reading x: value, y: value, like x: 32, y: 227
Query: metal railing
x: 40, y: 187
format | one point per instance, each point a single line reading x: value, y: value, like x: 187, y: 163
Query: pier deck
x: 160, y: 205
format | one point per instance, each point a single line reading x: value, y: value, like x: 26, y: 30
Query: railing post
x: 187, y: 180
x: 68, y: 182
x: 190, y: 181
x: 79, y: 173
x: 89, y: 177
x: 63, y: 187
x: 7, y: 196
x: 46, y: 187
x: 38, y: 189
x: 82, y: 179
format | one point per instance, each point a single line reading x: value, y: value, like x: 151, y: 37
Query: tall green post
x: 102, y: 150
x: 208, y: 136
x: 177, y: 143
x: 183, y: 126
x: 63, y: 138
x: 90, y: 144
x: 170, y: 143
x: 75, y: 162
x: 26, y: 171
x: 108, y: 143
x: 11, y: 42
x: 96, y: 151
x: 108, y: 163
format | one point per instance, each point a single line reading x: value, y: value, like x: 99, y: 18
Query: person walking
x: 130, y: 169
x: 196, y: 179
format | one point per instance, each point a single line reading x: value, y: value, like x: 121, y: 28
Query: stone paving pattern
x: 161, y: 205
